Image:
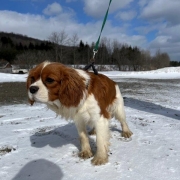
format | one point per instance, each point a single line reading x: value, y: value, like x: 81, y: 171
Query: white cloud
x: 163, y: 44
x: 126, y: 15
x: 173, y: 32
x: 160, y: 10
x: 142, y: 3
x: 150, y: 27
x: 97, y: 8
x: 40, y: 27
x: 167, y: 39
x: 53, y: 9
x: 162, y: 16
x: 68, y: 1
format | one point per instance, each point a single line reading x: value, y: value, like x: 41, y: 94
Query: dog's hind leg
x: 120, y: 114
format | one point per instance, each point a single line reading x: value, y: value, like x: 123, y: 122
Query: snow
x: 45, y: 147
x: 12, y: 77
x: 164, y: 73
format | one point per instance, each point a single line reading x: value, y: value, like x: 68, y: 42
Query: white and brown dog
x: 86, y: 98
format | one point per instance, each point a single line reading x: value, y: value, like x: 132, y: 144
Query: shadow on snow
x: 151, y: 108
x: 39, y: 169
x: 56, y: 137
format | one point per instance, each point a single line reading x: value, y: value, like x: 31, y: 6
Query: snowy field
x: 37, y: 145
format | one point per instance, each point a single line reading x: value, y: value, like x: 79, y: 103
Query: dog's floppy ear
x: 71, y: 89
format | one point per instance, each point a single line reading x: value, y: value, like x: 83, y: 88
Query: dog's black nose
x: 33, y: 89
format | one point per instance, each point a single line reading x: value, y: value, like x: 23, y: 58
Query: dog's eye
x: 49, y: 80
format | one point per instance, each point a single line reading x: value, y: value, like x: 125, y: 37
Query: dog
x: 82, y: 96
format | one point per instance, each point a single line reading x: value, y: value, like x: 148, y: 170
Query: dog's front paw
x: 127, y: 134
x: 97, y: 161
x: 85, y: 154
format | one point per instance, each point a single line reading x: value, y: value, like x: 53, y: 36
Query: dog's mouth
x: 38, y: 94
x: 37, y: 98
x: 32, y: 98
x: 31, y: 101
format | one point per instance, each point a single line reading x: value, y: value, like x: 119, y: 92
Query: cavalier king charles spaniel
x: 86, y: 98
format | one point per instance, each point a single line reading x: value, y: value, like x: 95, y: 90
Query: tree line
x: 66, y: 49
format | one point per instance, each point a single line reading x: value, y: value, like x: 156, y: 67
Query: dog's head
x: 48, y: 82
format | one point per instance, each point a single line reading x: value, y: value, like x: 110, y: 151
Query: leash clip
x: 94, y: 53
x: 92, y: 63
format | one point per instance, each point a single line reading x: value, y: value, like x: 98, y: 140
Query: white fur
x: 84, y: 75
x: 88, y: 110
x: 87, y: 113
x: 42, y: 94
x: 102, y: 139
x: 119, y: 111
x: 45, y: 64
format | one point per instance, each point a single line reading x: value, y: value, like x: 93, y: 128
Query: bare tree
x: 161, y: 60
x: 146, y: 60
x: 166, y: 59
x: 60, y: 40
x: 105, y: 51
x: 115, y: 53
x: 135, y: 58
x: 120, y: 55
x: 27, y: 59
x: 74, y: 43
x: 64, y: 40
x: 30, y: 58
x: 54, y: 38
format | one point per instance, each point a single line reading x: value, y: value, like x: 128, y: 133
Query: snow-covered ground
x: 165, y: 73
x: 42, y: 146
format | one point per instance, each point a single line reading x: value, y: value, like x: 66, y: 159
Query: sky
x: 148, y: 24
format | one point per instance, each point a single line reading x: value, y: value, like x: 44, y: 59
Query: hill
x: 19, y: 38
x: 20, y: 49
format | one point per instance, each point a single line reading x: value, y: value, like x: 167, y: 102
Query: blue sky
x: 151, y: 25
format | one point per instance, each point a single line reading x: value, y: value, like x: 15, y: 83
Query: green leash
x: 95, y: 50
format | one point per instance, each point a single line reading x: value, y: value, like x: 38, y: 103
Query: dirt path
x: 15, y: 93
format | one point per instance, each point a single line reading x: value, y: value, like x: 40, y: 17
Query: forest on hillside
x: 60, y: 47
